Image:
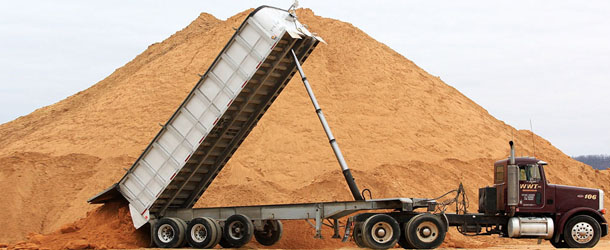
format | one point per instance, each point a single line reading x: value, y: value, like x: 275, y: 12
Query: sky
x: 547, y: 62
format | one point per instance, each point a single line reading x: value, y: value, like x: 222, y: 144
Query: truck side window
x: 499, y: 172
x: 522, y: 174
x: 534, y: 172
x: 530, y: 172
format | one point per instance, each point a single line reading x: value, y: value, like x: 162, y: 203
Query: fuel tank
x: 530, y: 227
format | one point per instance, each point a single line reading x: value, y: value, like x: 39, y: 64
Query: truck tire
x: 168, y: 233
x: 402, y: 241
x: 201, y: 233
x: 357, y: 235
x: 582, y: 231
x: 271, y: 233
x: 380, y: 231
x: 238, y: 230
x: 425, y: 231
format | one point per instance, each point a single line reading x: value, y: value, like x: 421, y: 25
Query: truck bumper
x: 604, y: 229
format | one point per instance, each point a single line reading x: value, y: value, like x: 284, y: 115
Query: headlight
x: 601, y: 199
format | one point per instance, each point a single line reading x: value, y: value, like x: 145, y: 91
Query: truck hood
x: 568, y: 197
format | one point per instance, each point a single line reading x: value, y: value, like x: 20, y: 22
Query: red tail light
x: 603, y: 211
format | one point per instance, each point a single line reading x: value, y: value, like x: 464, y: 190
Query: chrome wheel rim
x: 427, y: 232
x: 382, y: 232
x: 199, y: 233
x: 166, y: 233
x: 236, y: 230
x: 582, y: 232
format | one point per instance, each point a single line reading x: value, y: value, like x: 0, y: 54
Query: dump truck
x: 263, y: 55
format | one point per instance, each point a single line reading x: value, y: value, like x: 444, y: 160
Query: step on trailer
x: 198, y: 140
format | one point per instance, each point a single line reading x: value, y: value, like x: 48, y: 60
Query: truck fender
x: 446, y: 221
x: 578, y: 211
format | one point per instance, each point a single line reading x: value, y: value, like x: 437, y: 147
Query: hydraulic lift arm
x: 333, y: 143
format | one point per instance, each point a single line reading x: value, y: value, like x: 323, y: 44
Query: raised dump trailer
x: 231, y: 97
x: 207, y: 128
x: 217, y: 115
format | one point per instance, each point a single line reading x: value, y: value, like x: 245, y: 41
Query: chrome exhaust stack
x: 512, y: 185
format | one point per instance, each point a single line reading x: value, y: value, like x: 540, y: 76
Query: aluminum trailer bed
x: 194, y: 145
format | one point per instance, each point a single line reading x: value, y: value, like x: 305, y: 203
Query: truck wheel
x: 271, y: 233
x: 582, y: 231
x: 357, y: 235
x: 238, y: 230
x: 201, y: 233
x: 380, y: 231
x: 425, y: 231
x: 168, y: 233
x: 402, y: 241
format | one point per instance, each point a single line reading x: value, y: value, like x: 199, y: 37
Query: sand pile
x: 404, y: 133
x: 106, y: 227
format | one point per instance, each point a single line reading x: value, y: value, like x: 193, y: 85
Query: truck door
x: 531, y: 188
x: 500, y: 185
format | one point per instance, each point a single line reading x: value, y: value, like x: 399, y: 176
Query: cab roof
x: 521, y: 161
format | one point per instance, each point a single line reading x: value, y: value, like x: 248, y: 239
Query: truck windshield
x: 529, y: 172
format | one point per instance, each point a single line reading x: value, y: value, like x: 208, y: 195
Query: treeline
x: 596, y: 161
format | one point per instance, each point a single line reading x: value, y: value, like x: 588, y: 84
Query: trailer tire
x: 380, y: 231
x: 238, y: 230
x: 218, y: 235
x: 402, y: 241
x: 425, y: 231
x: 184, y: 226
x: 582, y: 231
x: 357, y: 235
x: 271, y: 233
x: 168, y: 233
x: 201, y: 233
x: 224, y: 243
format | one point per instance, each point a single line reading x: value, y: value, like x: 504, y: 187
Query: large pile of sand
x: 404, y: 133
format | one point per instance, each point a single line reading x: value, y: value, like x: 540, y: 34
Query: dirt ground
x: 604, y: 244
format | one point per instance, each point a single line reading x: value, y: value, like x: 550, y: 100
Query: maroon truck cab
x: 570, y: 208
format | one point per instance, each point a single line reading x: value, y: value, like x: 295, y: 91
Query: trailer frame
x: 303, y: 211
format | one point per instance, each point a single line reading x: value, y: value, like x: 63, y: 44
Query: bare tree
x: 595, y: 161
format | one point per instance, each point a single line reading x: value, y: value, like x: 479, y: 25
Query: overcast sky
x: 548, y: 61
